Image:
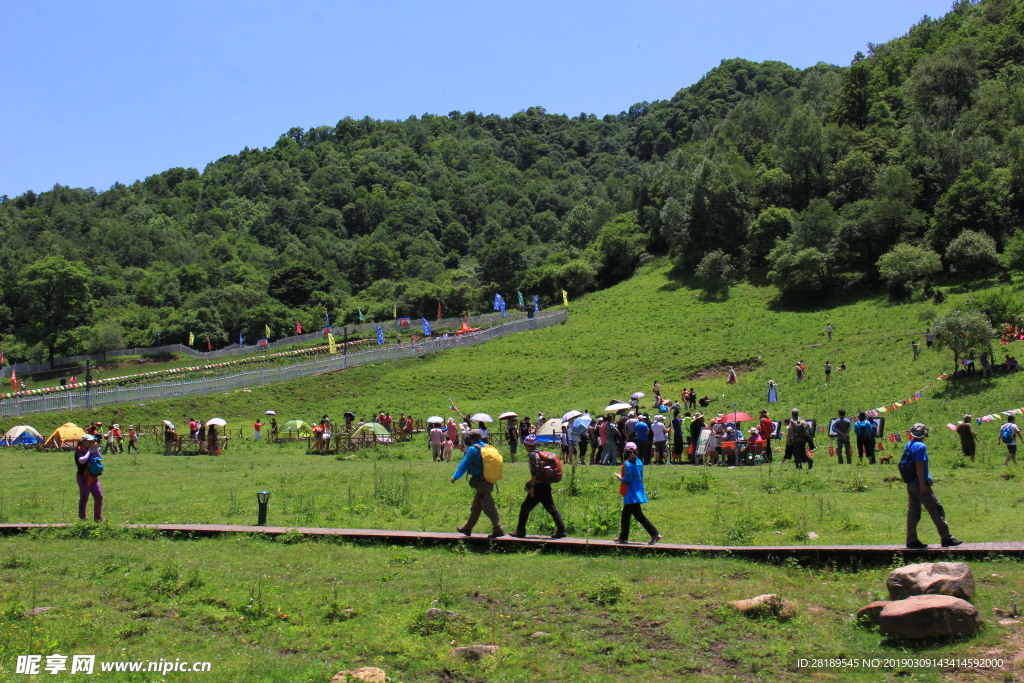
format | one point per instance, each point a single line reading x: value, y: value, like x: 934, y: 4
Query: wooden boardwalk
x: 800, y: 552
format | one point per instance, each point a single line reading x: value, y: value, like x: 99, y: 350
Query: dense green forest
x: 903, y: 167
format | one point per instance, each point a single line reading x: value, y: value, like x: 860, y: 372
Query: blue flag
x: 498, y: 302
x: 380, y: 335
x: 327, y: 319
x: 502, y: 309
x: 241, y: 339
x: 536, y: 306
x: 426, y: 328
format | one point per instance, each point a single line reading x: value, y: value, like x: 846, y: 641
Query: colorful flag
x: 565, y: 299
x: 298, y: 326
x: 191, y: 339
x: 241, y: 339
x: 1, y: 359
x: 266, y: 331
x: 208, y: 347
x: 426, y: 328
x: 438, y: 310
x: 380, y: 335
x: 536, y: 304
x: 521, y: 302
x: 331, y: 346
x: 361, y: 318
x: 498, y: 301
x: 14, y: 378
x: 502, y: 308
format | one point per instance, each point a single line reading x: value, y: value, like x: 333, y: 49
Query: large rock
x: 767, y: 605
x: 871, y: 613
x: 928, y: 616
x: 931, y: 578
x: 367, y: 673
x: 472, y: 653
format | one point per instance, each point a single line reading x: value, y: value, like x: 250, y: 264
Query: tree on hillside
x: 906, y: 265
x: 54, y: 299
x: 961, y: 330
x: 716, y: 273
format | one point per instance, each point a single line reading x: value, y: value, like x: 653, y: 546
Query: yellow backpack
x: 493, y: 462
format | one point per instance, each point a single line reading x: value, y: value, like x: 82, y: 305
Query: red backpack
x: 550, y: 467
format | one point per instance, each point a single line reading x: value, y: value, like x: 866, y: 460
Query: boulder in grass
x: 928, y: 616
x: 931, y: 578
x: 473, y: 653
x: 871, y: 613
x: 767, y: 605
x: 367, y: 673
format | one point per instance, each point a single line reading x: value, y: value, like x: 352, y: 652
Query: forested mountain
x: 905, y: 164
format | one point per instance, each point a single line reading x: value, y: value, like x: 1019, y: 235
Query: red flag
x: 1, y: 359
x: 298, y: 326
x: 14, y: 379
x: 208, y: 348
x: 438, y: 310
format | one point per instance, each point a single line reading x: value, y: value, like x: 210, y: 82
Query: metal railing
x: 76, y: 400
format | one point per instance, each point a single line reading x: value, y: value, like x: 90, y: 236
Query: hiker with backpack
x: 545, y: 470
x: 1008, y: 437
x: 631, y: 488
x: 799, y: 435
x: 865, y: 431
x: 483, y: 463
x: 914, y: 470
x: 89, y: 464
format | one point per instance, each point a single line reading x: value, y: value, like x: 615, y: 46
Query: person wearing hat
x: 473, y: 464
x: 968, y: 437
x: 538, y: 491
x: 88, y: 484
x: 659, y: 436
x: 133, y: 439
x: 919, y: 492
x: 865, y: 431
x: 633, y: 495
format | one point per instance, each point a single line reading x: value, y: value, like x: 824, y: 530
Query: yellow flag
x: 191, y: 339
x: 266, y: 331
x: 565, y: 298
x: 330, y: 344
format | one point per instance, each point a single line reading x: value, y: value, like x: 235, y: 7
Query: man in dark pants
x: 799, y: 434
x: 473, y: 463
x: 865, y: 430
x: 538, y: 491
x: 843, y: 427
x: 919, y: 492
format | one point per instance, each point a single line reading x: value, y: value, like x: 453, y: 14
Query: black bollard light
x: 262, y: 497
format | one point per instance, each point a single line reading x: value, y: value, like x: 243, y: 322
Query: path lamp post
x: 262, y: 497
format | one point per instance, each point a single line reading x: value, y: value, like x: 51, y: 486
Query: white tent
x: 22, y: 435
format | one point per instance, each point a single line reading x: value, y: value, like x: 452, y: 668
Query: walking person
x: 968, y: 438
x: 512, y: 430
x: 609, y: 433
x: 828, y: 371
x: 89, y: 466
x: 483, y: 501
x: 828, y: 331
x: 919, y: 491
x: 799, y: 434
x: 916, y: 346
x: 436, y: 442
x: 1008, y: 436
x: 865, y: 431
x: 133, y: 439
x: 257, y: 427
x: 543, y: 471
x: 631, y: 488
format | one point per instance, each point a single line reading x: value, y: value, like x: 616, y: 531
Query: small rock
x: 931, y: 578
x: 1009, y: 622
x: 473, y: 653
x: 540, y: 634
x: 812, y: 536
x: 870, y: 613
x: 36, y: 611
x: 367, y: 673
x: 767, y: 605
x: 778, y: 533
x: 928, y: 616
x: 434, y: 613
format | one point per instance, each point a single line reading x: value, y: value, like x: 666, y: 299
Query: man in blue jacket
x: 473, y: 463
x: 919, y: 492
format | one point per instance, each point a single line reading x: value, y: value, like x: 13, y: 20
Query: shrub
x: 905, y: 265
x: 972, y: 251
x: 716, y: 274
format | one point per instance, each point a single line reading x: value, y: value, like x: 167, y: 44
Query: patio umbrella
x: 506, y: 415
x: 570, y: 415
x: 616, y: 407
x: 219, y: 421
x: 349, y: 413
x: 270, y: 412
x: 435, y: 420
x: 482, y: 417
x: 737, y: 417
x: 639, y: 394
x: 169, y: 424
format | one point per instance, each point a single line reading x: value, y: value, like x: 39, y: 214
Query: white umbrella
x: 270, y: 412
x: 482, y: 417
x: 169, y: 424
x: 616, y: 407
x: 571, y: 414
x: 219, y: 421
x: 505, y: 416
x: 435, y: 420
x: 639, y: 394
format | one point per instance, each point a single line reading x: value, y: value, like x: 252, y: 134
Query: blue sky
x: 107, y: 91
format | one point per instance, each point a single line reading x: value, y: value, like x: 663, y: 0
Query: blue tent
x: 22, y: 435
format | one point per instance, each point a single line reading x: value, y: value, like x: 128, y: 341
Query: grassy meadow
x: 295, y: 610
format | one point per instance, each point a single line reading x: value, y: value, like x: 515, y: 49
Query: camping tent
x: 372, y: 431
x: 294, y: 429
x: 550, y: 432
x: 64, y: 437
x: 22, y: 435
